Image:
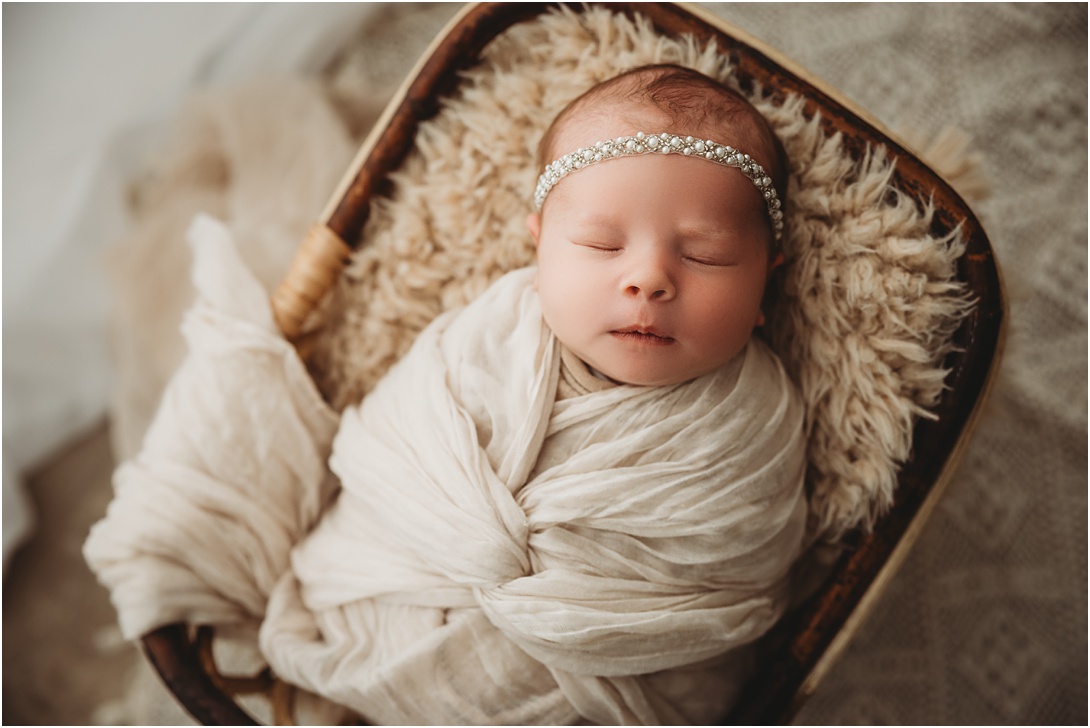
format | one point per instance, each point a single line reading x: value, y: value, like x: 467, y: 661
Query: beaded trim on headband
x: 642, y: 143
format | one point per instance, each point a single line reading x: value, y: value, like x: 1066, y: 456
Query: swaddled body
x: 605, y: 536
x: 608, y: 552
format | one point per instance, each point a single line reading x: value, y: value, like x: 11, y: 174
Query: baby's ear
x: 776, y: 262
x: 533, y: 223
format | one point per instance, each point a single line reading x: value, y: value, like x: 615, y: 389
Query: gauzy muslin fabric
x: 232, y: 472
x: 608, y: 536
x: 493, y: 555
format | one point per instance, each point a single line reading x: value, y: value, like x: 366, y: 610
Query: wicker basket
x: 805, y: 643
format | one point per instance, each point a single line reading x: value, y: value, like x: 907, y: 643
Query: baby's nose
x: 649, y: 292
x: 650, y: 281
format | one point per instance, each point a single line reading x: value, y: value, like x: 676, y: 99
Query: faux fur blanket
x: 862, y: 315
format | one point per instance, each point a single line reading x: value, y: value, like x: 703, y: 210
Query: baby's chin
x: 665, y: 381
x: 647, y: 376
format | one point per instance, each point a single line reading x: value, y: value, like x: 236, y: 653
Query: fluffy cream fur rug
x: 866, y: 305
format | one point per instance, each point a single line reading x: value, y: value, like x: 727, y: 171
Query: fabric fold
x: 232, y: 471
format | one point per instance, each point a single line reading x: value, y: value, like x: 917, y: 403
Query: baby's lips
x: 645, y: 331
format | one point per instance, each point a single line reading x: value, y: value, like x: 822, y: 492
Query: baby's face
x: 652, y: 268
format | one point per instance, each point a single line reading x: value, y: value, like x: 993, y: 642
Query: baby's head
x: 652, y: 266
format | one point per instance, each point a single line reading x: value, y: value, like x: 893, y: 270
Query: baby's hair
x: 693, y: 104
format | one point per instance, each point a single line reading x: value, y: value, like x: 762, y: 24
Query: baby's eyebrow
x: 597, y: 221
x: 701, y: 232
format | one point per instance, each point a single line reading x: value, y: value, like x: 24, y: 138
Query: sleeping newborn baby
x: 579, y: 497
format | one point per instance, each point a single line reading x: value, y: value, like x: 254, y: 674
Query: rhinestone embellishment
x: 643, y: 143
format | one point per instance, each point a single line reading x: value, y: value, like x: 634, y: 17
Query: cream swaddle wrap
x: 608, y: 536
x: 494, y: 556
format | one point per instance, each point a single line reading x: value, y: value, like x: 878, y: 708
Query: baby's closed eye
x: 711, y: 261
x: 601, y: 246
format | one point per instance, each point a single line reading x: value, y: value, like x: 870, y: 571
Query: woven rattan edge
x: 383, y: 122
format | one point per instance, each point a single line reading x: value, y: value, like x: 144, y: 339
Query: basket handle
x: 324, y: 253
x: 314, y: 270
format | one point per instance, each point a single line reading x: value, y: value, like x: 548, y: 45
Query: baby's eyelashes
x: 700, y: 259
x: 603, y: 247
x: 708, y: 262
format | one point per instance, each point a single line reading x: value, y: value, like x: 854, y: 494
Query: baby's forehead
x: 598, y: 120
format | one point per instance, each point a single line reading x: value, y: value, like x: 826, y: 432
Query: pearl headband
x: 641, y: 143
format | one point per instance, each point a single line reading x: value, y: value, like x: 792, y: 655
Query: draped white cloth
x: 232, y: 472
x: 494, y: 555
x: 606, y: 536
